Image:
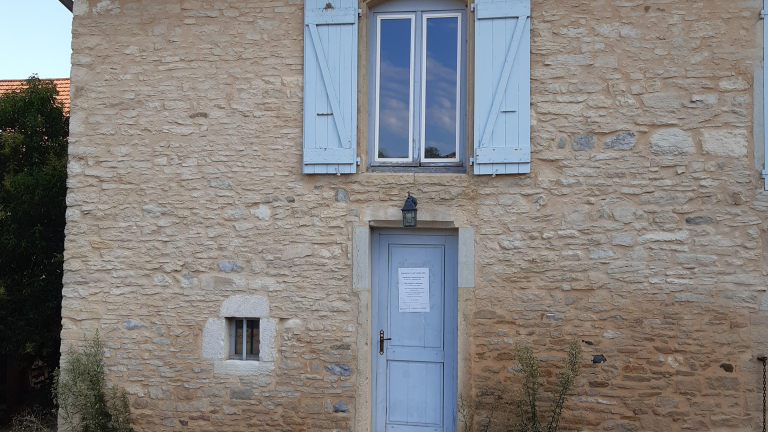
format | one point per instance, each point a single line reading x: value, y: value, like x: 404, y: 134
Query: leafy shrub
x: 529, y: 405
x: 85, y: 403
x: 522, y: 409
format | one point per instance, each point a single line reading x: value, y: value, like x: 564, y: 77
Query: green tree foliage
x: 33, y: 173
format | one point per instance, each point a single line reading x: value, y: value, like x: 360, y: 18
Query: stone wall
x: 640, y: 229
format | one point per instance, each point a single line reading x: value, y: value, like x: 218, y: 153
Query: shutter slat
x: 483, y: 82
x: 330, y: 87
x: 502, y: 154
x: 338, y: 16
x: 489, y: 10
x: 502, y: 87
x: 509, y: 107
x: 309, y: 95
x: 329, y: 155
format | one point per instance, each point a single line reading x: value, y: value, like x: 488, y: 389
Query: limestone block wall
x: 641, y: 228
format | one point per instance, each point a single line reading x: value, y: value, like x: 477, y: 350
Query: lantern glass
x: 409, y: 211
x: 409, y: 218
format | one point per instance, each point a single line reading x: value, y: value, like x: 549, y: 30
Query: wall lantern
x: 409, y: 212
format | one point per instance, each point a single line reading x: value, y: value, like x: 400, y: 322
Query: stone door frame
x: 362, y: 283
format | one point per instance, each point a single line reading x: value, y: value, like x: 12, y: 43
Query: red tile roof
x: 62, y: 84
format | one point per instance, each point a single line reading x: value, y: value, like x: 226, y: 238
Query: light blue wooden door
x: 415, y: 377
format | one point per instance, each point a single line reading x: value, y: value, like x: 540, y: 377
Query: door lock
x: 381, y: 342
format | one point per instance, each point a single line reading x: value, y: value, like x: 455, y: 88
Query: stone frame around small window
x: 216, y: 337
x: 416, y: 7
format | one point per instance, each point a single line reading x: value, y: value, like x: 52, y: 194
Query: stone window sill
x: 242, y: 367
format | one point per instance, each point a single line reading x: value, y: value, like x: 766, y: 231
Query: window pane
x: 440, y: 93
x: 239, y: 337
x: 394, y: 88
x: 252, y: 339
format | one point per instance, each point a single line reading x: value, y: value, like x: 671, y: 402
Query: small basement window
x: 243, y: 339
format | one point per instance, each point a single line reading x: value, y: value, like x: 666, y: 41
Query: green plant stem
x: 82, y: 396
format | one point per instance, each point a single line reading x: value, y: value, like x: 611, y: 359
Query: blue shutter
x: 502, y: 140
x: 330, y: 86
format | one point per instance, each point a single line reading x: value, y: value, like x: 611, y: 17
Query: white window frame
x: 765, y: 99
x: 412, y: 18
x: 423, y: 143
x: 416, y: 162
x: 233, y: 342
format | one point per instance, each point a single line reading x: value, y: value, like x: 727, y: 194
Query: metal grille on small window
x: 243, y: 339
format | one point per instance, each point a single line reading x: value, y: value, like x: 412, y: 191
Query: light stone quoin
x: 640, y: 231
x: 728, y: 143
x: 672, y: 142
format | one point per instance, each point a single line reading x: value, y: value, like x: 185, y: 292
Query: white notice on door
x: 414, y: 289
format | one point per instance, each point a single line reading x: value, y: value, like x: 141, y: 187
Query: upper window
x: 417, y: 75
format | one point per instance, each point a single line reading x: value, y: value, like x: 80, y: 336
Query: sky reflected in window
x: 440, y: 92
x: 394, y: 88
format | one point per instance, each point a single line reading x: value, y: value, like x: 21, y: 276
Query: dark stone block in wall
x: 699, y: 220
x: 231, y: 266
x: 241, y: 394
x: 131, y: 324
x: 341, y: 195
x: 583, y: 142
x: 340, y: 407
x: 621, y: 141
x: 339, y: 369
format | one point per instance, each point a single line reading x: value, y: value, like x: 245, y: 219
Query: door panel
x: 416, y: 330
x: 415, y: 393
x: 415, y: 378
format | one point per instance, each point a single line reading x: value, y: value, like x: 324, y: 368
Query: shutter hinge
x: 472, y: 7
x: 762, y: 14
x: 765, y: 174
x: 358, y: 161
x: 360, y: 13
x: 471, y: 161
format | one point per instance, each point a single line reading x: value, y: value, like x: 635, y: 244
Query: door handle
x: 381, y: 342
